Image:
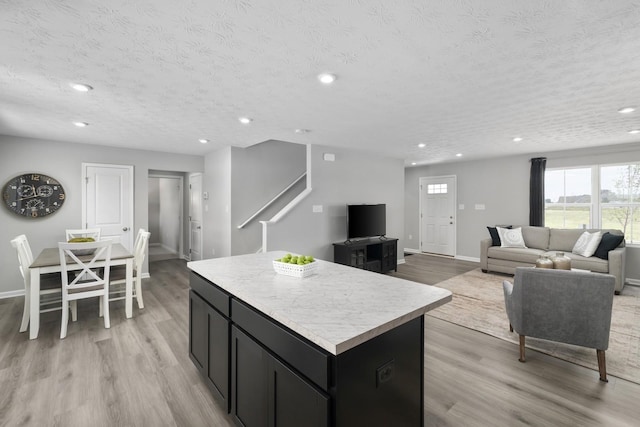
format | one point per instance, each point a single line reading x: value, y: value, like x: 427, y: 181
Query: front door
x: 195, y: 217
x: 108, y: 201
x: 438, y: 215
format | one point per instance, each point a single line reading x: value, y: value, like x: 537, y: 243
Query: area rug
x: 478, y: 304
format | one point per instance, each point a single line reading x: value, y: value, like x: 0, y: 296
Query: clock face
x: 33, y: 195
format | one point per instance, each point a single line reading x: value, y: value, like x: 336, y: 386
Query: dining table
x: 48, y: 261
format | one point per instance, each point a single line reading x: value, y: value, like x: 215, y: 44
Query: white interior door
x: 195, y: 217
x: 438, y: 215
x: 107, y: 201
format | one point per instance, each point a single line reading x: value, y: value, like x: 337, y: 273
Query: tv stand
x: 379, y: 254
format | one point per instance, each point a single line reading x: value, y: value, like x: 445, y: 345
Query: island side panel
x: 381, y: 382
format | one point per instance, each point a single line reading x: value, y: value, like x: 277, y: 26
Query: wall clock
x: 33, y: 195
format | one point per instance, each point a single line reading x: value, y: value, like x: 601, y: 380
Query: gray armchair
x: 564, y: 306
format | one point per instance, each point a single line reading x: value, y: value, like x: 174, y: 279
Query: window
x: 620, y: 199
x: 436, y: 188
x: 570, y: 200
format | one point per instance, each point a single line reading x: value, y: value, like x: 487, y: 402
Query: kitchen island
x: 342, y: 347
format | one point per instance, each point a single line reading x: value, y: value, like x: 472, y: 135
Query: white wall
x: 170, y: 203
x: 502, y: 185
x: 63, y: 161
x: 353, y: 178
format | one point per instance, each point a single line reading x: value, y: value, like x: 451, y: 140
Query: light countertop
x: 337, y: 308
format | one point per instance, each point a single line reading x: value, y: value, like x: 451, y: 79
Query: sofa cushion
x: 587, y: 243
x: 511, y: 238
x: 526, y: 255
x: 536, y: 237
x: 563, y: 239
x: 608, y: 243
x: 583, y: 263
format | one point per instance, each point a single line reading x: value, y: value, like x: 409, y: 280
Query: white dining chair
x: 90, y: 282
x: 50, y: 285
x: 118, y: 274
x: 83, y: 232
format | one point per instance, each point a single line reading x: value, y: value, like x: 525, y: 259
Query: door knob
x: 450, y: 222
x: 125, y: 228
x: 198, y: 228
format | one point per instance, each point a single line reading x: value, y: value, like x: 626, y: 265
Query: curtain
x: 536, y: 191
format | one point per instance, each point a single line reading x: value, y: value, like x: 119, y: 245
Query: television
x: 366, y: 221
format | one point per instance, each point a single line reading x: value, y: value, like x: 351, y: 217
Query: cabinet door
x: 249, y: 389
x: 389, y: 256
x: 209, y: 346
x: 292, y: 401
x: 198, y: 332
x: 218, y: 362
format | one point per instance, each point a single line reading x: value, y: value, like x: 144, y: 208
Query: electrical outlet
x: 410, y: 236
x: 385, y: 372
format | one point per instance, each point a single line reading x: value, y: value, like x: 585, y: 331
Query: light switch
x: 329, y: 157
x: 479, y: 207
x: 461, y: 206
x: 317, y: 208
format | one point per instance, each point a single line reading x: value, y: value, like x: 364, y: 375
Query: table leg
x: 34, y: 309
x: 128, y: 302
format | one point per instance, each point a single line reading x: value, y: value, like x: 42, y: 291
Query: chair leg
x: 74, y: 311
x: 510, y: 327
x: 139, y: 291
x: 522, y: 358
x: 105, y: 310
x: 100, y: 303
x: 65, y: 319
x: 602, y: 366
x: 25, y: 313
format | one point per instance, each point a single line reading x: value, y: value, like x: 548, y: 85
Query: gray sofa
x: 545, y: 240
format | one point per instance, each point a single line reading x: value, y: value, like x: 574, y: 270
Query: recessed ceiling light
x: 327, y: 78
x: 204, y: 141
x: 81, y: 87
x: 413, y: 163
x: 459, y: 155
x: 81, y: 124
x: 634, y: 131
x: 245, y: 120
x: 626, y: 110
x: 517, y: 139
x: 422, y: 145
x: 302, y: 131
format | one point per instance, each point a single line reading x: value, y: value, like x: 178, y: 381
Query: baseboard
x: 401, y: 261
x: 412, y: 251
x: 467, y: 258
x: 632, y: 282
x: 12, y: 294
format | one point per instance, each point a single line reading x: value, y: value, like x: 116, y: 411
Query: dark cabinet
x: 268, y: 393
x: 209, y: 345
x: 379, y: 255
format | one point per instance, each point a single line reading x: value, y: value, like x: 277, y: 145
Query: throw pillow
x: 608, y: 243
x: 587, y: 243
x: 511, y: 237
x: 495, y: 237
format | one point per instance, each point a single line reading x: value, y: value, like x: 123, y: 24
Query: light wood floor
x: 138, y: 373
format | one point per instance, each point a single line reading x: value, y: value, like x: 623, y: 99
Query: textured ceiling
x: 460, y: 76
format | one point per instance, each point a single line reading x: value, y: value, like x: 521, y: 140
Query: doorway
x: 165, y: 216
x: 438, y: 215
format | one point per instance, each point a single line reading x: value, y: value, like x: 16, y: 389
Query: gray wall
x: 258, y: 174
x: 216, y: 217
x: 353, y: 178
x: 502, y: 185
x: 154, y: 210
x: 63, y: 161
